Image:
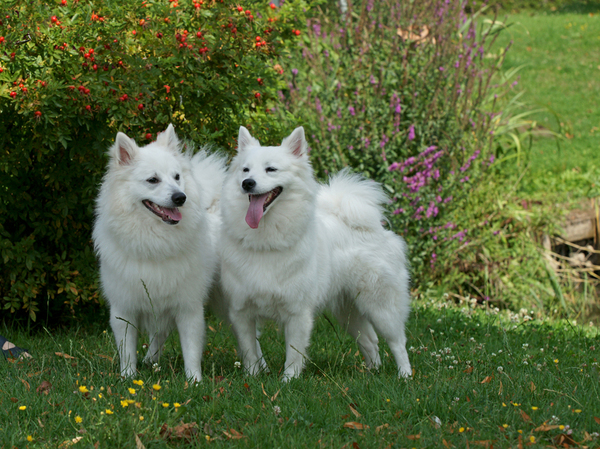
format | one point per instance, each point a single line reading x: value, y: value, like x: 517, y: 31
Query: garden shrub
x: 72, y: 74
x: 402, y: 92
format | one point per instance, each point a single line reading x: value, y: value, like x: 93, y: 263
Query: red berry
x: 199, y: 34
x: 257, y: 95
x: 272, y: 6
x: 133, y: 32
x: 38, y: 113
x: 95, y: 67
x: 248, y: 12
x: 1, y: 70
x: 54, y: 19
x: 1, y: 39
x: 88, y: 107
x: 13, y: 94
x: 159, y: 35
x: 148, y: 136
x: 258, y: 38
x: 240, y: 9
x: 260, y: 81
x: 64, y: 2
x: 140, y: 106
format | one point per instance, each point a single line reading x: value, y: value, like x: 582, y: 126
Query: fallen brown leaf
x: 545, y: 428
x: 486, y: 443
x: 110, y: 359
x: 525, y: 416
x: 62, y: 354
x: 70, y: 442
x: 597, y: 420
x: 414, y: 437
x: 469, y: 370
x: 182, y: 431
x: 564, y: 440
x: 355, y: 425
x: 381, y: 427
x: 446, y: 444
x: 234, y: 434
x: 44, y: 387
x: 24, y: 382
x: 487, y: 379
x: 354, y: 411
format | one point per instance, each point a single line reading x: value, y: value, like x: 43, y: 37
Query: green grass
x: 479, y: 378
x: 560, y: 57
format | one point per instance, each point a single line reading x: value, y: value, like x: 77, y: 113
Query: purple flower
x: 411, y: 132
x: 394, y: 166
x: 352, y: 111
x: 294, y: 72
x: 318, y: 105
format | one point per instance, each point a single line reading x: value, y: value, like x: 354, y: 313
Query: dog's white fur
x: 155, y: 275
x: 315, y: 246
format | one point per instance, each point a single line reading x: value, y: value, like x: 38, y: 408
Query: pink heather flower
x: 394, y: 166
x: 411, y: 132
x: 352, y: 111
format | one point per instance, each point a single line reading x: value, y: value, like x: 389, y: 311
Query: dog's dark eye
x: 177, y: 177
x: 153, y: 180
x: 245, y: 169
x: 270, y: 169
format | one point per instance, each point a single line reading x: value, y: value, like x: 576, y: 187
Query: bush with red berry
x: 74, y: 73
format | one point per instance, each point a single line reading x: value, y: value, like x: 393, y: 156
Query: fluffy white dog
x: 155, y: 237
x: 290, y: 246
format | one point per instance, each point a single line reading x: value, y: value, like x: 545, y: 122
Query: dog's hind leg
x: 126, y: 335
x: 389, y: 323
x: 157, y: 337
x: 360, y: 328
x: 262, y: 361
x: 244, y: 328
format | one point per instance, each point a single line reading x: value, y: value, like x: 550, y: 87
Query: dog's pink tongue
x: 255, y: 210
x: 173, y: 214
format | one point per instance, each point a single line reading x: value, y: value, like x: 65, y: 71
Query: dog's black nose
x: 178, y: 198
x: 248, y: 184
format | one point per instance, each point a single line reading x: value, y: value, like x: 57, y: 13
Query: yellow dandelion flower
x: 577, y: 411
x: 29, y: 438
x: 207, y: 437
x: 141, y: 418
x: 99, y: 395
x: 503, y: 404
x: 124, y: 403
x: 165, y: 404
x: 130, y: 401
x: 138, y: 382
x: 534, y: 408
x: 505, y: 426
x: 387, y: 400
x: 131, y: 390
x: 555, y: 360
x: 83, y: 389
x: 561, y: 427
x: 108, y: 411
x: 520, y: 431
x: 532, y: 439
x: 23, y: 407
x: 78, y: 419
x: 461, y: 430
x: 156, y: 387
x: 176, y: 405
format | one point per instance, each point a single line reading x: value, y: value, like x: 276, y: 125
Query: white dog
x: 154, y: 235
x: 290, y: 247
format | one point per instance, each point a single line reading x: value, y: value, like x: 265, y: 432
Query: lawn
x: 480, y: 378
x: 559, y: 53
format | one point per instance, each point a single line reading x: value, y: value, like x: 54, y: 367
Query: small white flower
x: 237, y: 365
x: 500, y: 369
x: 276, y: 410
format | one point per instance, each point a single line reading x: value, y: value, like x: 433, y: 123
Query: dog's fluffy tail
x: 355, y: 200
x: 209, y: 172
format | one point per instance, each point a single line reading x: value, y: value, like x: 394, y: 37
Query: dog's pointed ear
x: 245, y: 140
x: 168, y: 138
x: 124, y: 150
x: 296, y: 142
